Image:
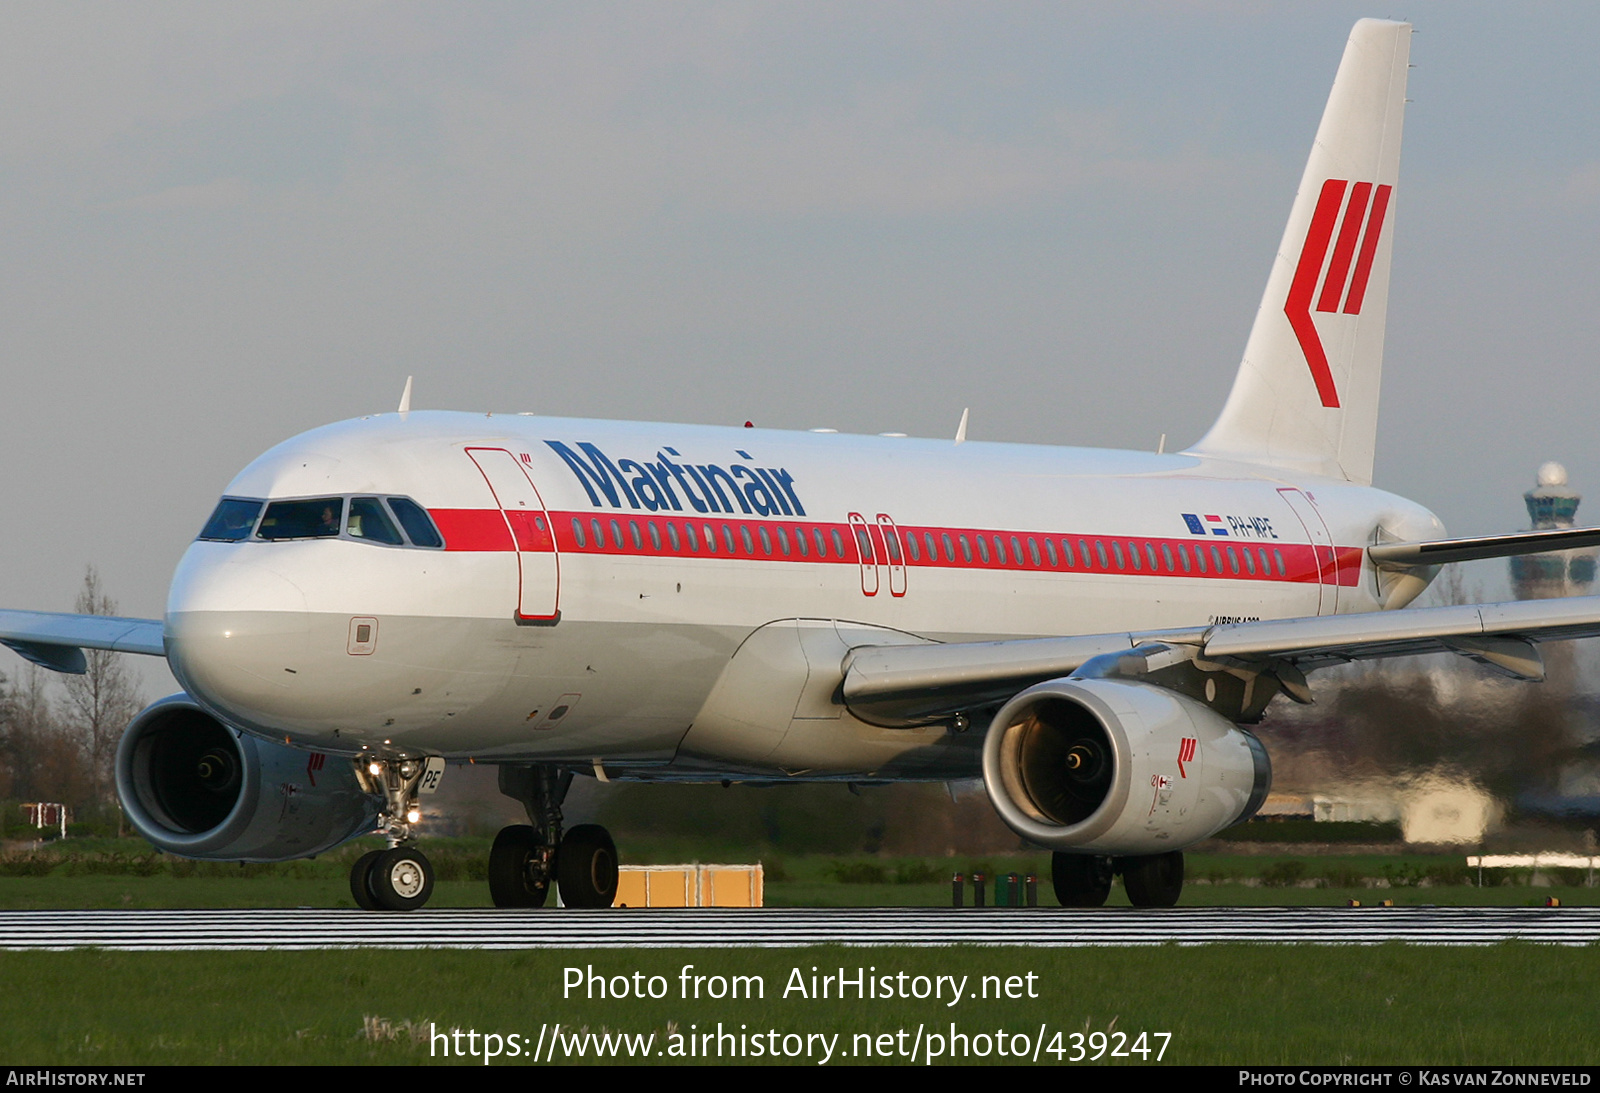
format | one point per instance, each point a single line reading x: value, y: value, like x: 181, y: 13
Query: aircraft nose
x: 237, y: 632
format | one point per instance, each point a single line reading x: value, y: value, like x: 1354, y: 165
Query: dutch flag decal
x: 1198, y: 525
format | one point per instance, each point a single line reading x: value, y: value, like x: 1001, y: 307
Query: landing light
x: 413, y: 816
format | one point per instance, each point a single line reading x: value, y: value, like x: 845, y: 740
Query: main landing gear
x: 526, y: 858
x: 398, y: 878
x: 1084, y: 880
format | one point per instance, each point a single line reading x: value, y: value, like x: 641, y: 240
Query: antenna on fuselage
x: 405, y: 397
x: 961, y: 430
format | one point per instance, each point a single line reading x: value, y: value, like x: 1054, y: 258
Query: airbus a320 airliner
x: 1091, y: 631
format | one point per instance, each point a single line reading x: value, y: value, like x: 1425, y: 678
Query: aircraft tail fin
x: 1306, y: 395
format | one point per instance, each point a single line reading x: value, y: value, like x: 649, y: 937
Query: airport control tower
x: 1552, y: 504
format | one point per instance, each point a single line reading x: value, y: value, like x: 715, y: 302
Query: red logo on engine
x: 1338, y: 276
x: 1186, y: 748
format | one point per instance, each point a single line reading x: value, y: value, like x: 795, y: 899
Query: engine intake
x: 197, y: 788
x: 1119, y: 767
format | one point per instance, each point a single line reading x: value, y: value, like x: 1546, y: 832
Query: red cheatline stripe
x: 472, y: 529
x: 484, y: 530
x: 1298, y: 305
x: 1345, y: 248
x: 1369, y: 247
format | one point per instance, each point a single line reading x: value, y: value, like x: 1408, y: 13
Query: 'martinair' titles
x: 658, y: 485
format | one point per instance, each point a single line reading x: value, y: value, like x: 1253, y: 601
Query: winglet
x: 405, y: 397
x: 961, y: 430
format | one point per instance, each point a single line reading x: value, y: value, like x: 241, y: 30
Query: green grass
x: 111, y: 873
x: 1507, y: 1004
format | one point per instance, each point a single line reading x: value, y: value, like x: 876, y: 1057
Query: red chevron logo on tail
x: 1358, y: 220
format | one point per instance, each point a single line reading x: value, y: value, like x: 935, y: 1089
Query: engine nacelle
x: 1119, y: 767
x: 197, y: 788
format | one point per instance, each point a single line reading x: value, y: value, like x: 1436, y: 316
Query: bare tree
x: 102, y: 700
x: 39, y: 761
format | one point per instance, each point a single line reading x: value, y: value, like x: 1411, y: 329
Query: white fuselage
x: 597, y: 579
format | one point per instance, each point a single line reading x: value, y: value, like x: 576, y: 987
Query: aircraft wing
x: 909, y: 684
x: 57, y: 641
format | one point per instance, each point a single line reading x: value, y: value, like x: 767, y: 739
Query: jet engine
x: 197, y: 788
x: 1119, y: 767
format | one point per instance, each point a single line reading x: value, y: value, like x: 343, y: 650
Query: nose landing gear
x: 400, y: 877
x: 527, y: 858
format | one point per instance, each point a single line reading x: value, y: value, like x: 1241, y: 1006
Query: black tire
x: 401, y: 879
x: 361, y: 880
x: 1081, y: 880
x: 586, y: 867
x: 511, y: 881
x: 1155, y: 881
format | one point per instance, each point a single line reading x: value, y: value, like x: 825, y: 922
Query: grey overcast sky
x: 225, y: 223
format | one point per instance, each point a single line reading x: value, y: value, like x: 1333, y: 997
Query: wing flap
x: 916, y: 684
x: 912, y: 684
x: 1404, y: 633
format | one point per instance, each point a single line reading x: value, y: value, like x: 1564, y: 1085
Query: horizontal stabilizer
x: 57, y: 641
x: 1440, y: 551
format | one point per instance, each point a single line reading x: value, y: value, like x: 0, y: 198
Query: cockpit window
x: 414, y: 518
x: 367, y: 520
x: 232, y: 521
x: 311, y: 519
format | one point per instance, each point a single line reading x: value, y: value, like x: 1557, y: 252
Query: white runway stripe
x: 778, y: 928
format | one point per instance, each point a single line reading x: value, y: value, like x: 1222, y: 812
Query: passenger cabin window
x: 231, y: 521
